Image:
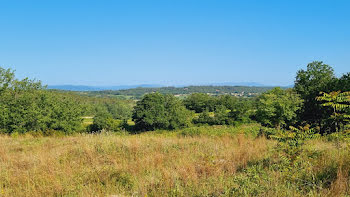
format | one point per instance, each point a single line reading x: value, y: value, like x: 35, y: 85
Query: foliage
x: 204, y: 118
x: 228, y: 101
x: 268, y: 133
x: 178, y: 116
x: 157, y: 111
x: 242, y: 111
x: 343, y: 83
x: 62, y: 112
x: 225, y: 109
x: 199, y: 102
x: 6, y: 78
x: 105, y: 121
x: 119, y: 109
x: 278, y: 107
x: 339, y: 102
x: 221, y: 116
x: 25, y: 106
x: 291, y: 142
x: 251, y: 182
x: 318, y: 77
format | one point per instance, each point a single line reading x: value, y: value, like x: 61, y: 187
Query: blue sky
x: 172, y: 42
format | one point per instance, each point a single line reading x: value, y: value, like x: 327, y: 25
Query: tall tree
x: 318, y: 77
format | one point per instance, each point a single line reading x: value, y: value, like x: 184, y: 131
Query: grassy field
x: 190, y: 162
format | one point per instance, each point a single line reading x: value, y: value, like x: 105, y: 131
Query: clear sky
x: 172, y: 42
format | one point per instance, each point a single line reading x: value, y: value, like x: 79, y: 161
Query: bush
x: 278, y: 108
x: 157, y: 111
x: 104, y: 121
x: 267, y: 132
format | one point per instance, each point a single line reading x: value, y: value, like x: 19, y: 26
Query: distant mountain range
x: 125, y: 87
x: 249, y: 84
x: 99, y: 88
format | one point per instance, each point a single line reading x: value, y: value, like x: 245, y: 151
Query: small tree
x: 157, y: 111
x: 105, y: 121
x: 221, y: 115
x: 177, y: 114
x: 242, y: 110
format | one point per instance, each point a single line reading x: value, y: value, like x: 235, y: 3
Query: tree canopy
x: 157, y: 111
x: 278, y: 107
x: 25, y: 105
x: 318, y: 77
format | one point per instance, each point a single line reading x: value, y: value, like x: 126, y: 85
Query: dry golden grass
x: 168, y: 164
x: 333, y: 163
x: 139, y: 165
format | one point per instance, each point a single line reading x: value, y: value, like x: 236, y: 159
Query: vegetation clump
x: 26, y: 106
x: 157, y: 111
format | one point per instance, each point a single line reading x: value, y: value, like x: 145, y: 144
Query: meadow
x: 198, y: 161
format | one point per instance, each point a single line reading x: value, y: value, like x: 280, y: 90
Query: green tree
x: 242, y: 110
x: 221, y: 115
x: 343, y: 83
x: 150, y: 113
x: 178, y: 115
x: 156, y: 111
x: 318, y: 77
x: 230, y: 102
x: 278, y: 107
x: 104, y: 121
x: 65, y: 112
x: 119, y: 110
x: 6, y: 78
x: 199, y: 102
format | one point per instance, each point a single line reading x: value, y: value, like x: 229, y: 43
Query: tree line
x: 27, y: 106
x: 277, y: 108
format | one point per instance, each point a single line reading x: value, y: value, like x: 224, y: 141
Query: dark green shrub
x: 104, y: 121
x: 157, y: 111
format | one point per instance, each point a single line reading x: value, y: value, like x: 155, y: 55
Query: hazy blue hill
x: 239, y: 84
x: 74, y: 88
x: 98, y: 88
x: 126, y: 87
